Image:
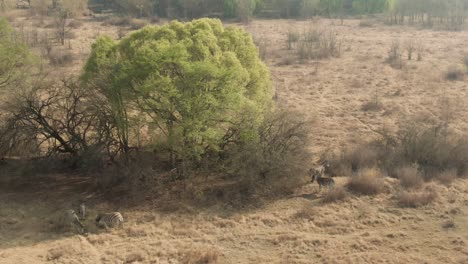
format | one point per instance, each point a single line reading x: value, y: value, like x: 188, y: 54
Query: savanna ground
x: 300, y: 228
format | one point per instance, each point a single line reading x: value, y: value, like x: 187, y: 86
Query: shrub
x: 335, y: 194
x: 293, y: 37
x: 201, y: 256
x: 137, y: 23
x: 454, y: 73
x: 372, y: 105
x: 60, y: 57
x: 319, y: 44
x: 117, y: 21
x: 75, y: 24
x: 410, y: 177
x: 366, y: 182
x: 275, y: 161
x: 366, y: 23
x: 414, y: 199
x: 447, y: 177
x: 410, y: 47
x: 395, y: 55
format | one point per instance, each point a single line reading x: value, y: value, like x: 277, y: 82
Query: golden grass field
x: 299, y: 228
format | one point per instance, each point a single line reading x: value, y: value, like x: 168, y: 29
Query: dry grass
x: 414, y: 199
x: 395, y: 55
x: 454, y: 73
x: 336, y: 194
x: 60, y: 58
x: 202, y: 256
x: 372, y: 105
x: 75, y: 24
x: 366, y: 23
x: 307, y: 212
x: 447, y: 177
x: 366, y: 182
x: 410, y: 177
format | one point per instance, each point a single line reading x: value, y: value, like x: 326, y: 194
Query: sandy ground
x: 298, y: 229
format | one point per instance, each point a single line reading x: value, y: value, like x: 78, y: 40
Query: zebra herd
x: 115, y: 219
x: 103, y: 220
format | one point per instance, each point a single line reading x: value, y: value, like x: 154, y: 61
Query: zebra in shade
x: 109, y: 220
x: 82, y: 211
x: 72, y: 220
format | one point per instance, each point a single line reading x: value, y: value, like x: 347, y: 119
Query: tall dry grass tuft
x: 367, y: 182
x: 395, y: 55
x: 335, y: 194
x: 410, y: 177
x: 202, y: 256
x: 446, y: 177
x: 414, y: 199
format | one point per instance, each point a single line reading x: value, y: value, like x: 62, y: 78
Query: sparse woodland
x: 201, y: 119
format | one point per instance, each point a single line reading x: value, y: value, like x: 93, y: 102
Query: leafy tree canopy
x: 196, y: 82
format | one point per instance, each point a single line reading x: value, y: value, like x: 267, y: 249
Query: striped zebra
x: 109, y: 220
x: 82, y: 211
x: 317, y: 173
x: 71, y: 219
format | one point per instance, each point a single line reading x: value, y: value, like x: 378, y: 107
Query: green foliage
x: 15, y: 57
x: 194, y: 82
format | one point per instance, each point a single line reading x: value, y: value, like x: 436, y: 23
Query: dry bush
x: 201, y: 256
x: 319, y: 44
x: 449, y: 224
x: 117, y: 21
x: 454, y: 73
x: 447, y: 177
x: 410, y: 177
x: 75, y: 24
x: 60, y: 58
x: 137, y: 23
x: 372, y: 105
x: 410, y: 47
x: 360, y: 157
x: 414, y: 199
x: 366, y: 182
x: 274, y: 163
x: 366, y: 23
x: 293, y: 38
x: 134, y: 257
x: 307, y: 212
x: 395, y: 55
x: 420, y: 51
x: 262, y: 45
x: 335, y: 194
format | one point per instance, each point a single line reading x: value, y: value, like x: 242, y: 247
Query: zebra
x: 82, y: 211
x: 109, y: 220
x: 72, y: 219
x: 317, y: 173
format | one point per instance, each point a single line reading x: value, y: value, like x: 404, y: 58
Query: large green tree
x: 194, y: 82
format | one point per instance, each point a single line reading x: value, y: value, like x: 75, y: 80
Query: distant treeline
x: 398, y: 11
x: 231, y: 8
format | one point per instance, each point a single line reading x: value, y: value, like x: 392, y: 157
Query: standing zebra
x: 82, y: 211
x: 73, y: 220
x: 317, y: 173
x: 109, y: 220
